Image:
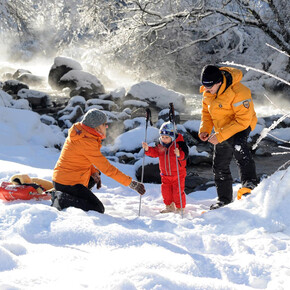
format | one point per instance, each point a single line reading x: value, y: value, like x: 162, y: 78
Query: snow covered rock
x: 61, y: 66
x: 5, y: 99
x: 156, y: 95
x: 48, y: 120
x: 21, y: 104
x: 13, y: 86
x: 69, y: 116
x: 164, y: 115
x: 35, y: 98
x: 78, y: 101
x: 82, y: 83
x: 106, y: 104
x: 19, y: 72
x: 31, y: 79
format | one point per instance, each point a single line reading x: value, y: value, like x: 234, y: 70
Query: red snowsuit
x: 168, y: 171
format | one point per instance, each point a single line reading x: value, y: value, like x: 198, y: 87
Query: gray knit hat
x: 94, y: 118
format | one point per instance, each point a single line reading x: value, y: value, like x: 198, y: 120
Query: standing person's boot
x: 244, y: 191
x: 168, y: 208
x: 218, y: 205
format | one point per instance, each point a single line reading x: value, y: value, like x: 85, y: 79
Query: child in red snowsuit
x: 171, y: 145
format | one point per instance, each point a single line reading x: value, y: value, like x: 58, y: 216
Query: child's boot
x: 179, y: 210
x: 168, y: 208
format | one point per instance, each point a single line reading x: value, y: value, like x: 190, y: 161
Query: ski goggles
x: 208, y: 88
x: 164, y: 132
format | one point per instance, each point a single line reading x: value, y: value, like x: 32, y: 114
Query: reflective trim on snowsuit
x: 232, y: 115
x: 229, y: 111
x: 168, y: 171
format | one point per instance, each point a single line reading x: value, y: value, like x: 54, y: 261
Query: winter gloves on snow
x: 137, y: 186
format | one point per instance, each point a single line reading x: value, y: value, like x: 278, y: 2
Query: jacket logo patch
x: 78, y: 131
x: 246, y: 104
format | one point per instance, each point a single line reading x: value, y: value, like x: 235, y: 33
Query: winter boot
x: 179, y: 210
x: 217, y: 205
x: 168, y: 208
x: 244, y: 191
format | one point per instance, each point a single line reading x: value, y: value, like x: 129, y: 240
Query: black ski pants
x: 236, y: 145
x: 77, y: 196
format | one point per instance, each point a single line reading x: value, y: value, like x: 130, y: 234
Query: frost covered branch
x: 281, y: 140
x: 284, y: 166
x: 281, y: 51
x: 283, y: 111
x: 265, y: 131
x: 257, y: 70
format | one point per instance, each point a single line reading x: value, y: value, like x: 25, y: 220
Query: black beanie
x: 211, y: 75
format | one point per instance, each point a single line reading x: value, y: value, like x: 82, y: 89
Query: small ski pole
x: 148, y: 118
x: 172, y: 119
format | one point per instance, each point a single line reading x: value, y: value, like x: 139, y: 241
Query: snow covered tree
x: 177, y: 36
x: 169, y: 40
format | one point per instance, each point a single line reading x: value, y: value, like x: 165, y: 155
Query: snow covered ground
x: 245, y: 245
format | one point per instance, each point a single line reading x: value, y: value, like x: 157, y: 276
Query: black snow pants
x: 77, y: 196
x: 223, y: 153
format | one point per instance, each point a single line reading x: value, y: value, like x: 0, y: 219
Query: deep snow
x: 245, y: 245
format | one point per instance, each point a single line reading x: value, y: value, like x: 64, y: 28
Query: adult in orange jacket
x: 80, y: 164
x: 228, y: 108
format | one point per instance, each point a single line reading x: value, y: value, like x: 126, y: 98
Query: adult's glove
x: 137, y: 186
x: 97, y: 178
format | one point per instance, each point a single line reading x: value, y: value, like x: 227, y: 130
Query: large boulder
x: 19, y: 72
x: 35, y: 98
x: 61, y: 66
x: 31, y: 79
x: 151, y: 173
x: 193, y: 182
x: 156, y: 96
x: 12, y: 87
x: 82, y: 83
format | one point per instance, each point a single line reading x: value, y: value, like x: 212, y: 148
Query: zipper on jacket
x: 168, y: 156
x: 165, y: 162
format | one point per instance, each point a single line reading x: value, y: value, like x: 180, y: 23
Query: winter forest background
x: 137, y: 54
x: 167, y: 42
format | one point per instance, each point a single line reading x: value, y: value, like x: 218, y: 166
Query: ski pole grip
x: 148, y: 116
x: 171, y: 112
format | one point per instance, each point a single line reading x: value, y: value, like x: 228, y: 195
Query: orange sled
x: 10, y: 191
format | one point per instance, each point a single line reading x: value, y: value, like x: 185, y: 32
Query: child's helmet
x: 167, y: 129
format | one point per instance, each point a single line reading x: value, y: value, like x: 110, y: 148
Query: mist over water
x: 114, y: 75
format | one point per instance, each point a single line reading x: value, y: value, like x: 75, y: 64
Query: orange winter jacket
x: 229, y: 111
x: 81, y: 157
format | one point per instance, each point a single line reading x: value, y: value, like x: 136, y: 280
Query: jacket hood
x: 236, y: 74
x: 179, y: 138
x: 78, y: 131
